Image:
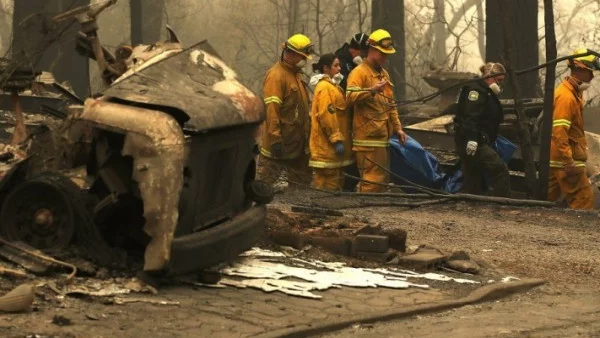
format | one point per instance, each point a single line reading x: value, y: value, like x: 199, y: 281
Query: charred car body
x: 166, y: 154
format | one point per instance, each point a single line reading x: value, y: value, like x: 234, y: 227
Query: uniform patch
x: 331, y: 108
x: 473, y: 95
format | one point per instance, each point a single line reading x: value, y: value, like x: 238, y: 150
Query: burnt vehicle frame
x: 167, y: 156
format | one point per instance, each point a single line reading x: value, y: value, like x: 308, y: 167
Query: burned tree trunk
x: 439, y: 33
x: 542, y: 192
x: 389, y: 15
x: 146, y: 20
x: 523, y: 19
x: 298, y: 16
x: 522, y: 125
x: 32, y: 31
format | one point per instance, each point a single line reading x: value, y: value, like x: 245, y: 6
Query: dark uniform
x: 478, y: 118
x: 346, y: 63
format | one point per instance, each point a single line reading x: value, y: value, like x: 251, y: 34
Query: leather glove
x: 339, y: 147
x: 277, y: 150
x: 471, y: 148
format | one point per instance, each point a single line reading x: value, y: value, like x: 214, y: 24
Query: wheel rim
x: 38, y: 214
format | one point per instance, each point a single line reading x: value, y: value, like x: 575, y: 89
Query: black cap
x: 360, y: 41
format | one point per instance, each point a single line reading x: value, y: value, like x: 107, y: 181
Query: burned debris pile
x: 158, y: 167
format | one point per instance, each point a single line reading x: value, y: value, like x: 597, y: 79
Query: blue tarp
x: 415, y: 164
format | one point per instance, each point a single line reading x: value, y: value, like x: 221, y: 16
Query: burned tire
x: 260, y: 192
x: 41, y: 212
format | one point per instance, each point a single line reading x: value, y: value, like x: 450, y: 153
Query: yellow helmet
x: 589, y: 62
x: 382, y: 40
x: 300, y: 44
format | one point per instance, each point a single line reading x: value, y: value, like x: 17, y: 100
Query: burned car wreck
x: 164, y: 156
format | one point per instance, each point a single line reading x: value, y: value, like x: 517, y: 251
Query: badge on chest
x: 473, y: 95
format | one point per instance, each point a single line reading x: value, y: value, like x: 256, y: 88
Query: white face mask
x: 337, y: 78
x: 301, y: 63
x: 357, y: 60
x: 584, y: 85
x: 495, y: 88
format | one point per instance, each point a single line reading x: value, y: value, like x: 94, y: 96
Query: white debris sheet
x: 274, y: 271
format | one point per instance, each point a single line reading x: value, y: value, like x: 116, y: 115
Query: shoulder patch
x: 473, y: 95
x: 331, y: 108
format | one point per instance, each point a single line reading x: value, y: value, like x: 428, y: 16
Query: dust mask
x: 357, y: 60
x: 584, y: 85
x: 337, y: 78
x: 301, y: 63
x: 495, y: 88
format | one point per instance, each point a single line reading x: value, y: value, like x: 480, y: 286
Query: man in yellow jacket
x: 568, y: 148
x: 370, y: 93
x: 284, y: 144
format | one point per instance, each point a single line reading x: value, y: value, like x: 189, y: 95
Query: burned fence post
x: 546, y: 129
x: 522, y: 124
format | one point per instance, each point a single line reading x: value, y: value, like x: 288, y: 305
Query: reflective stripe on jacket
x: 568, y: 145
x: 286, y: 102
x: 375, y: 118
x: 330, y: 124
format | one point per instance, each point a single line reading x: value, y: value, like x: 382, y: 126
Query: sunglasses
x: 310, y: 49
x: 385, y: 43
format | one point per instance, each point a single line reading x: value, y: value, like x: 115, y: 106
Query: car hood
x: 194, y: 85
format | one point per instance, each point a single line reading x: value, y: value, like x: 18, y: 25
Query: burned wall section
x: 50, y: 48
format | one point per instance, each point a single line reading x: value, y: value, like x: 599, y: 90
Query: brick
x: 371, y: 243
x: 365, y: 229
x: 380, y: 257
x: 340, y: 246
x: 287, y: 238
x: 397, y: 238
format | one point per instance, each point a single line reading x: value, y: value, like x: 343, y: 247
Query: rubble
x: 425, y: 257
x: 28, y: 262
x: 353, y: 238
x: 13, y: 273
x: 106, y: 288
x: 462, y: 262
x: 146, y: 151
x: 41, y: 258
x: 269, y: 271
x: 19, y: 299
x: 121, y: 301
x: 61, y: 320
x: 375, y: 243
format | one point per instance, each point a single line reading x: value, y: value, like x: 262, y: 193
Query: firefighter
x: 375, y: 118
x: 352, y: 54
x: 568, y: 147
x: 477, y: 121
x: 330, y: 141
x: 284, y: 143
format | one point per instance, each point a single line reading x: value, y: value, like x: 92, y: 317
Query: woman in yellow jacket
x: 330, y: 141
